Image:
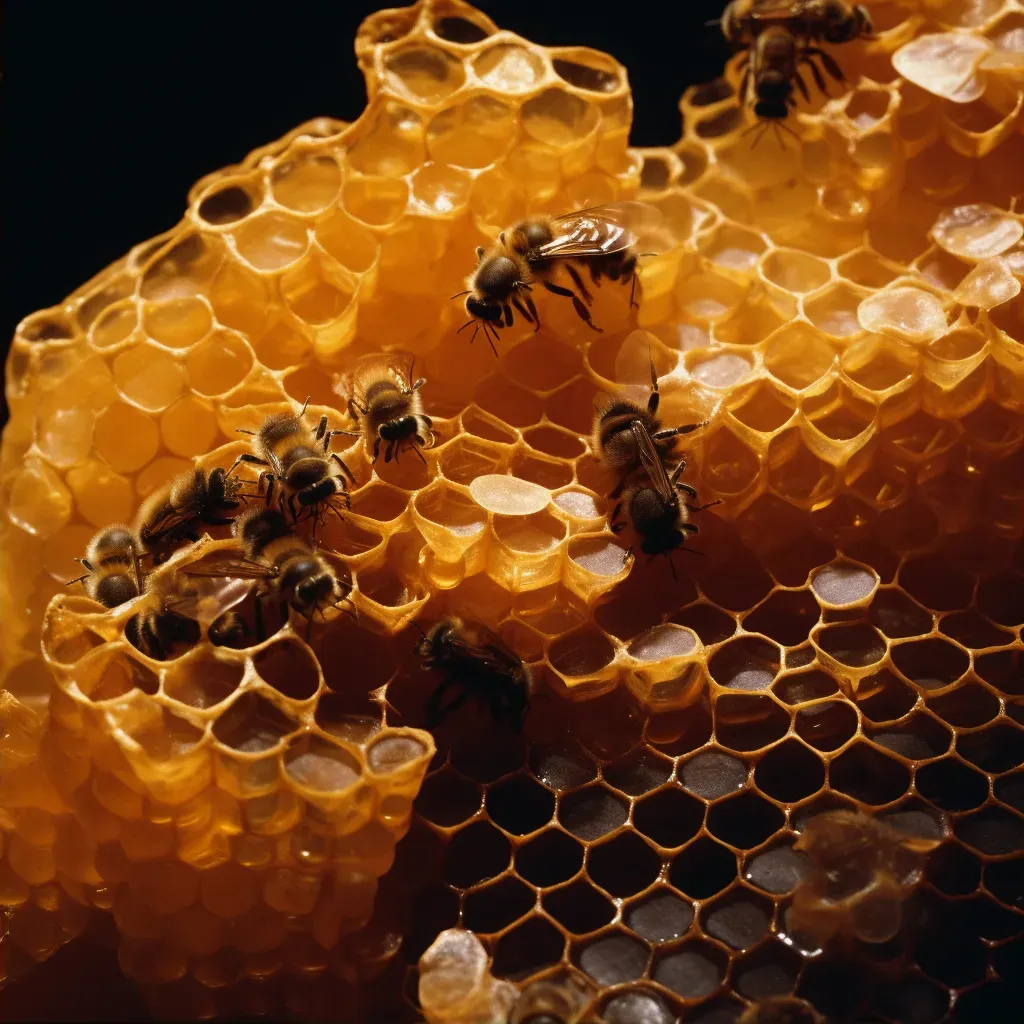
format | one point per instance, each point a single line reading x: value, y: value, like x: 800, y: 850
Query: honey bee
x: 385, y: 401
x: 172, y: 513
x: 156, y: 632
x: 830, y: 21
x: 284, y: 566
x: 603, y: 239
x: 306, y: 474
x: 613, y: 439
x: 653, y: 507
x: 112, y: 576
x: 481, y: 664
x: 779, y: 34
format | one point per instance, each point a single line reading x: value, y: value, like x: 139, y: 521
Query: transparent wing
x: 777, y: 10
x: 475, y: 641
x: 599, y: 231
x: 651, y: 462
x: 396, y: 366
x: 206, y: 600
x: 237, y: 568
x: 172, y: 519
x: 634, y: 367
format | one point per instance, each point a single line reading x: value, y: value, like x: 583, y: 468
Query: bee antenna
x: 465, y: 325
x: 672, y: 566
x: 458, y: 295
x: 419, y: 629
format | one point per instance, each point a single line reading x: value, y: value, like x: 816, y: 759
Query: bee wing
x: 776, y: 10
x: 651, y: 462
x: 634, y: 367
x: 205, y: 600
x: 475, y: 641
x: 170, y: 520
x: 599, y: 231
x: 236, y: 568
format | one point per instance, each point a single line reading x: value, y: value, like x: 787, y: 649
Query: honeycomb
x: 843, y: 310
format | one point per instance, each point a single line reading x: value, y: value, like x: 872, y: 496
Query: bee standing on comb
x: 601, y: 241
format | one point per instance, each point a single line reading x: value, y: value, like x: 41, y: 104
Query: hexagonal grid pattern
x: 845, y: 314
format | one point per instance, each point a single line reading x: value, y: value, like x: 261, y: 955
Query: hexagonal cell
x: 801, y: 687
x: 746, y: 663
x: 579, y: 907
x: 447, y: 798
x: 917, y: 739
x: 749, y: 722
x: 549, y: 858
x: 1010, y: 789
x: 937, y: 583
x: 713, y: 774
x: 745, y: 820
x: 953, y: 870
x: 202, y: 683
x: 494, y: 907
x: 660, y: 916
x: 789, y: 772
x: 530, y: 946
x: 739, y: 919
x: 1001, y: 598
x: 693, y: 970
x: 995, y: 749
x: 477, y: 852
x: 669, y: 817
x: 787, y: 617
x: 884, y: 697
x: 613, y: 958
x: 592, y: 812
x: 252, y: 724
x: 321, y: 766
x: 856, y: 645
x: 623, y: 866
x: 635, y: 1006
x: 290, y: 668
x: 769, y: 971
x: 951, y: 785
x: 973, y: 630
x: 637, y: 773
x: 828, y: 725
x: 520, y: 805
x: 709, y: 623
x: 703, y: 868
x: 868, y: 775
x: 897, y: 616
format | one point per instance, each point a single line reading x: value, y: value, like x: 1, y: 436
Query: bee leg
x: 828, y: 61
x: 578, y: 281
x: 416, y: 449
x: 480, y: 253
x: 302, y: 411
x: 258, y: 624
x: 376, y: 448
x: 744, y: 81
x: 612, y: 523
x: 508, y: 314
x: 819, y: 80
x: 700, y: 508
x: 663, y: 435
x: 616, y: 490
x: 335, y: 457
x: 527, y: 298
x: 526, y: 314
x: 252, y: 460
x: 432, y: 709
x: 581, y: 311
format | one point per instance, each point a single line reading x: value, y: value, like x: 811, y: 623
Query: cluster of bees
x: 781, y: 38
x: 301, y: 480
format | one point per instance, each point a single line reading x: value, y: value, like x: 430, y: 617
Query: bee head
x: 396, y: 430
x: 116, y: 589
x: 482, y: 309
x: 314, y: 591
x: 304, y: 472
x: 771, y: 109
x: 662, y: 543
x: 223, y: 488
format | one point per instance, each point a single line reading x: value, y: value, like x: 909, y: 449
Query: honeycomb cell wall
x: 275, y: 831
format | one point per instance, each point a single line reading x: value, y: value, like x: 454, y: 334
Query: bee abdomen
x: 118, y: 588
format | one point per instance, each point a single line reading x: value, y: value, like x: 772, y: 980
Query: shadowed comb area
x: 270, y: 830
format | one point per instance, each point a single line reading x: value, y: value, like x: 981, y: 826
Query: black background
x: 113, y: 108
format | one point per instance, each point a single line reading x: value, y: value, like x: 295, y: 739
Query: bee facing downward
x: 285, y: 566
x: 305, y: 472
x: 602, y: 239
x: 779, y: 34
x: 481, y: 664
x: 614, y: 441
x: 653, y: 507
x: 386, y: 403
x: 171, y: 514
x: 112, y: 558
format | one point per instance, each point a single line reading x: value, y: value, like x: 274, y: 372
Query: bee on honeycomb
x: 267, y: 826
